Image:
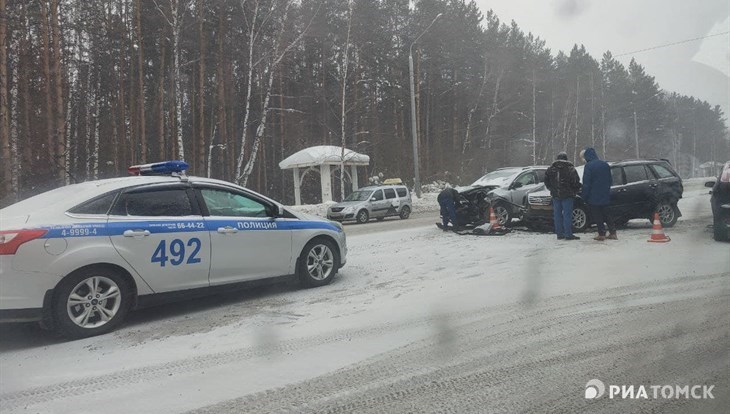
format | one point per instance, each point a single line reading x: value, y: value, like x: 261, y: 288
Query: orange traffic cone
x: 493, y: 220
x: 657, y: 232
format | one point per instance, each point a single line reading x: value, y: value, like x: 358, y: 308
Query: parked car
x: 376, y: 202
x: 720, y: 202
x: 79, y: 257
x: 640, y: 188
x: 508, y: 189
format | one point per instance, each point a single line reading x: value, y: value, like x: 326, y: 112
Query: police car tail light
x: 159, y: 168
x: 11, y: 240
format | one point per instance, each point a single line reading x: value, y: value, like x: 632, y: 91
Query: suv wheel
x: 580, y: 219
x: 405, y: 212
x: 719, y: 231
x: 504, y: 217
x: 91, y: 301
x: 668, y: 213
x: 362, y: 216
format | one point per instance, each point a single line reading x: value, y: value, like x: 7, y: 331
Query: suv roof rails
x: 643, y: 160
x: 521, y: 168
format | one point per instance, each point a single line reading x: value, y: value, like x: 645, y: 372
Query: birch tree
x: 343, y: 137
x: 139, y: 43
x: 467, y: 138
x: 60, y: 121
x: 271, y: 64
x: 174, y: 19
x: 4, y: 102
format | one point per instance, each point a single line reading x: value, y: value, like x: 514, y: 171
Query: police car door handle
x: 136, y: 233
x: 227, y: 230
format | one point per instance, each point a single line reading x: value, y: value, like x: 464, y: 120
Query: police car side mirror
x: 373, y: 199
x: 515, y: 186
x: 709, y: 184
x: 274, y: 211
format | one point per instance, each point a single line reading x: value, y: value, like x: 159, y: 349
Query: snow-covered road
x: 418, y: 321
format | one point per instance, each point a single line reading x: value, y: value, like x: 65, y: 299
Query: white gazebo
x: 326, y: 159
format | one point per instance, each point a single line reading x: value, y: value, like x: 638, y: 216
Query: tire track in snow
x: 501, y: 321
x: 549, y: 337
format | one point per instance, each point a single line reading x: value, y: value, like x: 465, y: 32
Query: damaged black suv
x: 640, y: 188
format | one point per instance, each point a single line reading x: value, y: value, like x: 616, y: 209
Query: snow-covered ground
x: 404, y: 299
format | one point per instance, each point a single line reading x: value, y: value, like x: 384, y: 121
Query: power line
x: 672, y: 44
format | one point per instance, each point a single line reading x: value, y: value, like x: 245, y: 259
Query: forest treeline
x: 90, y: 87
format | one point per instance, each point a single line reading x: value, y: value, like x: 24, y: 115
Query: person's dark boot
x: 561, y: 237
x: 612, y: 236
x: 572, y: 237
x: 600, y: 237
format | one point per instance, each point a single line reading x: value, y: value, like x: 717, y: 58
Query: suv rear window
x: 389, y: 193
x: 662, y: 171
x: 635, y: 173
x: 617, y: 177
x: 402, y: 192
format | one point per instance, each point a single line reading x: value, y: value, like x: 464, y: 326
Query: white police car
x: 78, y: 258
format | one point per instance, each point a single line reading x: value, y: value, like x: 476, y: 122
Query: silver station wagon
x: 376, y: 202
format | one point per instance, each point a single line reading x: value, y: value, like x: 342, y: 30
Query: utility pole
x: 414, y: 133
x: 636, y: 135
x: 534, y: 134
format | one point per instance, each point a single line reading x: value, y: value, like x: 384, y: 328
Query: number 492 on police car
x: 176, y: 253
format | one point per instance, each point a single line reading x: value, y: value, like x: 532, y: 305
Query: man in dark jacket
x: 597, y: 193
x: 562, y: 180
x: 447, y: 200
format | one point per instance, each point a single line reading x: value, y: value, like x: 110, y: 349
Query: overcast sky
x: 699, y: 68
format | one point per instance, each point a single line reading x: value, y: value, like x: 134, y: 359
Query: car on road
x: 79, y: 257
x: 640, y: 189
x: 376, y: 202
x: 720, y: 201
x: 508, y: 189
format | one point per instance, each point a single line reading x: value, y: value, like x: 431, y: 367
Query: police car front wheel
x: 91, y: 301
x: 318, y: 263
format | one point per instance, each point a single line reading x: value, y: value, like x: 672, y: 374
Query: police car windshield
x: 359, y: 195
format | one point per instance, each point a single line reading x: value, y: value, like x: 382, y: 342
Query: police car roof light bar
x: 174, y: 167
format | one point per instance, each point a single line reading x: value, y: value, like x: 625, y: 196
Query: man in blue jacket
x: 596, y: 192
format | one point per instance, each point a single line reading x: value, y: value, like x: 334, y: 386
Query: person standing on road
x: 596, y: 193
x: 562, y: 180
x: 447, y: 201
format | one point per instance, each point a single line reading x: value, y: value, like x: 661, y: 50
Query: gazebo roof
x: 321, y: 155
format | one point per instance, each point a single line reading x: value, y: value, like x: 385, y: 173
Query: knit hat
x: 562, y: 156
